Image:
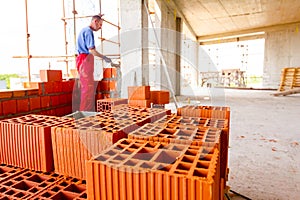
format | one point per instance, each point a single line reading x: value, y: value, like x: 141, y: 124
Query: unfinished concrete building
x: 200, y: 100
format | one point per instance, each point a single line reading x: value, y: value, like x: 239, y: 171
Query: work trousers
x: 85, y: 67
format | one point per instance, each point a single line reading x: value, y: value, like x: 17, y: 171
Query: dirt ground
x: 264, y: 148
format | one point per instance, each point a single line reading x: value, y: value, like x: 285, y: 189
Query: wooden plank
x: 290, y: 78
x: 287, y: 92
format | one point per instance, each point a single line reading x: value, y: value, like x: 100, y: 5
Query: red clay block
x: 140, y: 103
x: 67, y: 86
x: 71, y: 84
x: 34, y: 103
x: 112, y: 85
x: 6, y: 94
x: 107, y: 73
x: 113, y: 72
x: 55, y: 100
x: 9, y: 107
x: 50, y: 75
x: 160, y: 97
x: 19, y: 93
x: 28, y: 141
x: 29, y: 85
x: 154, y: 170
x: 63, y: 99
x: 22, y: 105
x: 45, y: 101
x: 45, y: 88
x: 57, y: 86
x: 69, y: 98
x: 104, y: 85
x: 32, y: 92
x: 106, y: 95
x: 138, y: 92
x: 98, y: 96
x: 1, y: 108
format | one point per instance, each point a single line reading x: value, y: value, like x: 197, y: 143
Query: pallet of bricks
x: 289, y: 82
x: 43, y: 157
x: 108, y: 87
x: 175, y: 157
x: 27, y: 166
x: 138, y: 96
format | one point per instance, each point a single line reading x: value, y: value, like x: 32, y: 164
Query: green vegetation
x: 6, y: 77
x: 254, y: 79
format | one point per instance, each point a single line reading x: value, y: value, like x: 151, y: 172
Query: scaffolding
x: 70, y: 57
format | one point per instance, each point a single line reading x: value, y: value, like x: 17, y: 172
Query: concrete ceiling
x: 214, y: 18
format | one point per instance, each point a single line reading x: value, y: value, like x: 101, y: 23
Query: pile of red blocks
x: 108, y: 86
x: 21, y: 183
x: 173, y: 157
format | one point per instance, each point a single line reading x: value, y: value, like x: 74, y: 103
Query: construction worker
x: 86, y: 51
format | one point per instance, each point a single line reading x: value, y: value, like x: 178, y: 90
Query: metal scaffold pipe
x: 27, y: 44
x: 65, y: 37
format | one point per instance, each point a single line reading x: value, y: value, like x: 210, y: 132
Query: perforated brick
x: 154, y: 170
x: 26, y: 141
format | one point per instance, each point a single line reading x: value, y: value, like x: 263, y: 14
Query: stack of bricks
x: 156, y: 155
x: 180, y: 134
x: 139, y: 96
x: 8, y: 171
x: 106, y: 105
x: 107, y: 87
x: 27, y: 184
x: 159, y: 98
x: 58, y: 91
x: 53, y: 97
x: 75, y: 143
x: 218, y: 112
x: 78, y: 141
x: 154, y: 170
x: 223, y: 124
x: 26, y: 141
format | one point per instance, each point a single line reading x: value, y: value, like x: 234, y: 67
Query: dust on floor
x: 264, y: 148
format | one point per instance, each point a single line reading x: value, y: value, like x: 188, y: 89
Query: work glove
x: 106, y: 59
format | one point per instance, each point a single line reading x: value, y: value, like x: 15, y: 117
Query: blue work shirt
x: 85, y: 40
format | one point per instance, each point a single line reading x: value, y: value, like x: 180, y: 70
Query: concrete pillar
x: 134, y: 42
x: 167, y: 48
x: 178, y: 56
x: 282, y: 49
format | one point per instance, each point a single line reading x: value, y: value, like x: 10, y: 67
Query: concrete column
x: 178, y: 57
x: 167, y: 47
x: 145, y: 43
x: 134, y: 42
x: 282, y: 49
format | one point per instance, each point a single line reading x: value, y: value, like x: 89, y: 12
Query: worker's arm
x: 96, y: 53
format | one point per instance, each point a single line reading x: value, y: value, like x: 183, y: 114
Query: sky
x: 45, y: 29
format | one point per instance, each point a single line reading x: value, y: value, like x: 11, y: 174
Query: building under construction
x: 198, y: 101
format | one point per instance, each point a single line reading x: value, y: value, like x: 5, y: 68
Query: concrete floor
x: 264, y: 149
